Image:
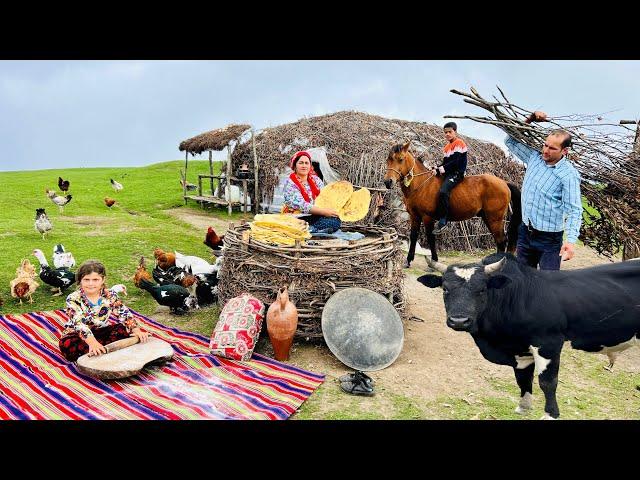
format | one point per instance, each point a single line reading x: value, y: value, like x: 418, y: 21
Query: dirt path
x: 435, y: 361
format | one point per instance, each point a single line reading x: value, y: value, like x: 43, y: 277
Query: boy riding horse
x: 453, y: 167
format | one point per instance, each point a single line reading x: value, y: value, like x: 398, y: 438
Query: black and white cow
x: 521, y: 317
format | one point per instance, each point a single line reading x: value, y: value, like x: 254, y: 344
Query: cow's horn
x: 441, y: 267
x: 495, y: 267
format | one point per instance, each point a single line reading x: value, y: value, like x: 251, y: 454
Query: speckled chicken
x: 42, y: 224
x: 58, y: 200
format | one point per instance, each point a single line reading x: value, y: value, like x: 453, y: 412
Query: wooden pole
x: 629, y: 249
x: 245, y: 189
x: 387, y: 237
x: 229, y: 207
x: 211, y: 171
x: 256, y: 203
x: 184, y: 186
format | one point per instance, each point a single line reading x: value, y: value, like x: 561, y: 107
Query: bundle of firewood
x: 606, y: 154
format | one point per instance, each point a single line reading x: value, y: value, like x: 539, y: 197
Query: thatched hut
x: 357, y: 145
x: 209, y: 141
x: 214, y: 139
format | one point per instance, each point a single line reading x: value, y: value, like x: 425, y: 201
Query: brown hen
x: 164, y: 260
x: 141, y: 272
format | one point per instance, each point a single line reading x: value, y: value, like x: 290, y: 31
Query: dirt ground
x: 435, y: 361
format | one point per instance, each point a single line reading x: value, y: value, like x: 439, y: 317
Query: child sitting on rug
x: 301, y: 189
x: 88, y: 308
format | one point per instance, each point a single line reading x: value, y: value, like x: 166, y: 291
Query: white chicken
x: 119, y: 289
x: 116, y: 186
x: 42, y: 223
x: 62, y: 258
x: 196, y: 264
x: 58, y: 200
x: 218, y: 266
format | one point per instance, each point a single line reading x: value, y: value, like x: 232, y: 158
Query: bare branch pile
x: 602, y: 152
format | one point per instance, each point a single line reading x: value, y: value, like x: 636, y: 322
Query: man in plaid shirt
x: 550, y: 192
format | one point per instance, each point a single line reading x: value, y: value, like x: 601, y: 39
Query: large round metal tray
x: 362, y: 329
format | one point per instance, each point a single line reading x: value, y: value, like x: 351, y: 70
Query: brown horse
x: 486, y: 196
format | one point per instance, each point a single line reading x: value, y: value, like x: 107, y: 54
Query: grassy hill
x: 88, y: 229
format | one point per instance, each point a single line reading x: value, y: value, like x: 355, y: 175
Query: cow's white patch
x: 541, y: 362
x: 464, y: 272
x: 633, y: 341
x: 526, y: 402
x: 546, y: 416
x: 523, y: 361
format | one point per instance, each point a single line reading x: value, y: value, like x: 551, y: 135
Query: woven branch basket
x: 313, y: 272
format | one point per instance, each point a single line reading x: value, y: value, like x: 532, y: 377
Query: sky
x: 62, y: 114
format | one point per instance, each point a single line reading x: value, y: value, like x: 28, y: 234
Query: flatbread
x: 334, y: 195
x: 356, y: 207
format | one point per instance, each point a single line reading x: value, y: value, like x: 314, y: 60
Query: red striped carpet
x: 36, y: 382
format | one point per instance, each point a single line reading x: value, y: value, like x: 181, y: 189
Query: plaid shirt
x: 549, y: 193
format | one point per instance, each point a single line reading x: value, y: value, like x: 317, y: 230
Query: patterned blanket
x: 36, y: 382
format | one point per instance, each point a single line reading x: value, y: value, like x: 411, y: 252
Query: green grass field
x: 87, y: 228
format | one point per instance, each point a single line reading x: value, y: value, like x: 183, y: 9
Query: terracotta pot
x: 282, y: 321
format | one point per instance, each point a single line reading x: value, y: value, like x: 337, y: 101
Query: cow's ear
x: 431, y: 281
x: 498, y: 281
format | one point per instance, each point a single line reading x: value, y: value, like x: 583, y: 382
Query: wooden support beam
x: 245, y: 193
x: 256, y: 203
x: 229, y: 208
x: 184, y: 185
x: 211, y: 170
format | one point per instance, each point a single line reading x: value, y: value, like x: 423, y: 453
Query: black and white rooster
x: 177, y: 298
x: 116, y: 186
x: 62, y: 258
x: 58, y: 200
x: 59, y: 279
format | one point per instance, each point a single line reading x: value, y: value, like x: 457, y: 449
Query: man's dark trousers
x: 539, y: 248
x: 450, y: 181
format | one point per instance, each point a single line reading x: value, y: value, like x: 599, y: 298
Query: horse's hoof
x: 406, y: 264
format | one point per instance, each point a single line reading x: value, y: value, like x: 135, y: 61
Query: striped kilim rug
x: 36, y: 382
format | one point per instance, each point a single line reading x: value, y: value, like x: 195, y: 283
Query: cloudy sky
x: 57, y: 114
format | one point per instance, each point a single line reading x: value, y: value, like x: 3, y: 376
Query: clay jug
x: 282, y: 321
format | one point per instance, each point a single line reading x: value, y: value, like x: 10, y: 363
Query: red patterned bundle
x: 237, y: 331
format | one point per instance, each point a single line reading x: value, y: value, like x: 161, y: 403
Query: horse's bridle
x: 408, y: 178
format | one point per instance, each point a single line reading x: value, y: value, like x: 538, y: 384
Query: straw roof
x: 213, y: 140
x: 357, y: 146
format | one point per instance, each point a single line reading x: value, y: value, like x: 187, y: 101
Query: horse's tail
x: 516, y: 217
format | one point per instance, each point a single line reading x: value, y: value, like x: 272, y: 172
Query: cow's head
x: 465, y: 290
